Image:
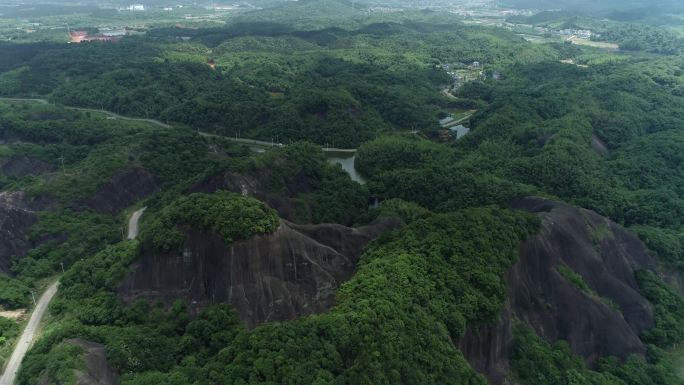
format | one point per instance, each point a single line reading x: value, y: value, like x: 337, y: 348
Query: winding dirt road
x: 28, y: 335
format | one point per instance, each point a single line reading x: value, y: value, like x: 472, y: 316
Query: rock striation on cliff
x: 22, y: 165
x: 257, y: 185
x: 122, y: 190
x: 15, y: 221
x: 603, y: 319
x: 96, y: 369
x: 274, y: 277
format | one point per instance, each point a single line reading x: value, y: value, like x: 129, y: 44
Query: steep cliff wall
x: 122, y: 190
x: 604, y: 318
x: 279, y: 276
x: 95, y: 370
x: 21, y: 165
x: 15, y: 221
x: 257, y: 185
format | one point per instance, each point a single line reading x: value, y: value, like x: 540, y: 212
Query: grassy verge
x: 676, y: 356
x: 7, y: 347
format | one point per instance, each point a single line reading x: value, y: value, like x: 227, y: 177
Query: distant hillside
x: 597, y: 5
x: 319, y: 10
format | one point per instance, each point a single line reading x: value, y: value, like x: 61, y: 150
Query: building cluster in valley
x: 567, y: 32
x: 461, y: 73
x: 136, y: 8
x: 103, y: 34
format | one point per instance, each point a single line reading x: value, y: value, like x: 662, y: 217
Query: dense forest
x: 328, y: 86
x: 605, y: 136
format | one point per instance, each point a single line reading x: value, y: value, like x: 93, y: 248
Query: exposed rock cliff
x: 15, y: 221
x: 279, y: 276
x: 21, y: 165
x: 122, y: 190
x: 256, y: 186
x: 604, y: 320
x: 96, y: 369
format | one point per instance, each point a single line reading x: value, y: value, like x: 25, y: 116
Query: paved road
x: 108, y: 113
x: 28, y: 335
x: 260, y: 143
x: 133, y: 224
x: 29, y: 332
x: 39, y: 101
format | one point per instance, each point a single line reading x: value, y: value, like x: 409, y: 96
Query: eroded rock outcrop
x: 21, y: 165
x: 97, y: 370
x: 603, y: 320
x: 122, y: 190
x: 256, y: 185
x: 281, y: 276
x: 15, y: 221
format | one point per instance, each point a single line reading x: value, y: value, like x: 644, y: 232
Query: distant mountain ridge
x: 600, y: 5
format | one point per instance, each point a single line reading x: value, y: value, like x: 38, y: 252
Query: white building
x: 110, y: 32
x: 459, y: 131
x: 136, y: 7
x: 446, y: 121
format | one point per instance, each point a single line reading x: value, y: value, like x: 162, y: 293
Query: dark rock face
x: 122, y: 190
x: 280, y: 276
x: 603, y: 321
x: 97, y: 370
x: 256, y: 186
x: 18, y: 166
x: 15, y: 222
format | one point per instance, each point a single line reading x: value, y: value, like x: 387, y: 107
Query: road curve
x: 28, y: 335
x: 29, y: 332
x: 164, y: 125
x: 265, y: 144
x: 108, y: 113
x: 133, y: 225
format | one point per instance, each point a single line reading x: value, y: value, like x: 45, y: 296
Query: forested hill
x: 544, y: 246
x: 600, y: 5
x: 331, y: 85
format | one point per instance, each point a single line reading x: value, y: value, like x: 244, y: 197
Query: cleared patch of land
x: 15, y: 315
x: 595, y: 44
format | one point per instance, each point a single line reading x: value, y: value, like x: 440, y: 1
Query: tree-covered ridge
x: 330, y: 86
x: 644, y: 30
x: 604, y: 137
x: 420, y: 171
x: 83, y: 149
x: 538, y: 362
x: 231, y: 216
x: 414, y: 292
x: 595, y: 137
x: 78, y: 153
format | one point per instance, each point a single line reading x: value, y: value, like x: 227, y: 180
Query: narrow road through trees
x: 28, y: 335
x: 108, y: 113
x: 260, y: 143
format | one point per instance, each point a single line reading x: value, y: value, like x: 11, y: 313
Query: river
x: 346, y: 160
